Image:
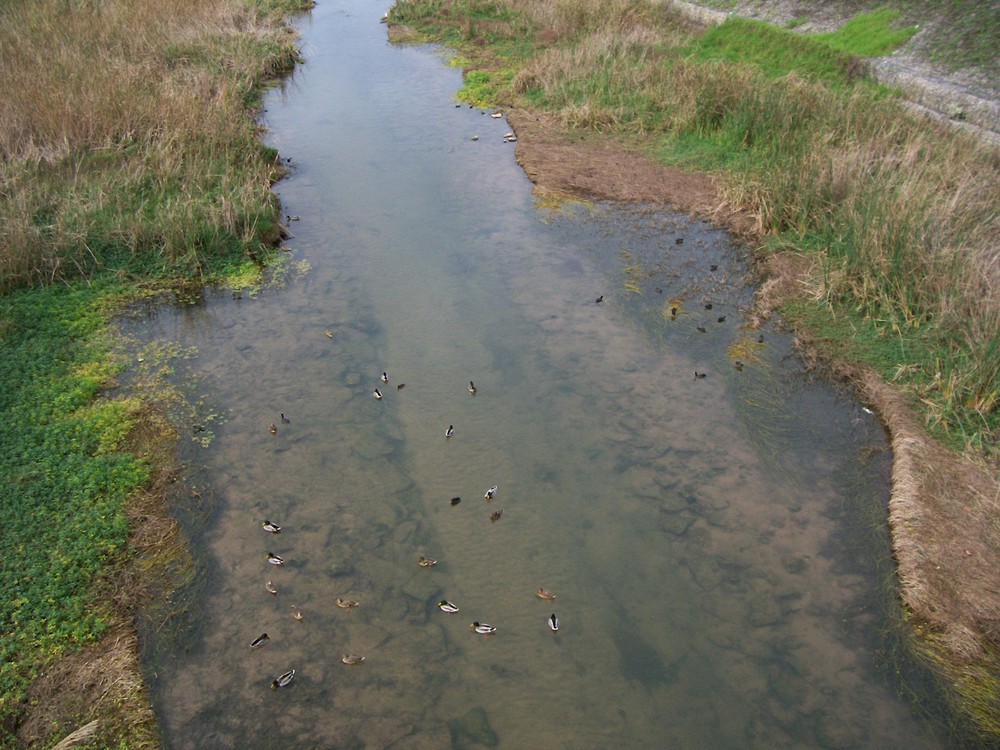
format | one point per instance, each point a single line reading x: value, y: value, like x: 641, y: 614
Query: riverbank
x: 580, y: 138
x: 132, y: 167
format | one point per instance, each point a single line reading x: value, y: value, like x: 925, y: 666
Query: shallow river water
x: 708, y: 539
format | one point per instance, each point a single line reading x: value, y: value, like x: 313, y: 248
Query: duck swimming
x: 272, y: 429
x: 270, y: 528
x: 483, y: 628
x: 472, y: 388
x: 259, y: 641
x: 450, y: 431
x: 553, y: 622
x: 296, y: 613
x: 275, y: 559
x: 456, y: 500
x: 328, y: 333
x: 270, y: 588
x: 285, y: 420
x: 543, y: 594
x: 495, y: 515
x: 385, y: 377
x: 351, y: 660
x: 491, y: 492
x: 447, y: 606
x: 377, y: 394
x: 347, y: 603
x: 282, y: 680
x: 426, y: 562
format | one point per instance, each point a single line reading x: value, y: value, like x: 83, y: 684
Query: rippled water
x: 705, y: 537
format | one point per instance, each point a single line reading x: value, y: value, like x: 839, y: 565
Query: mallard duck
x: 270, y: 588
x: 426, y: 562
x: 553, y: 622
x: 450, y: 431
x: 352, y: 660
x: 275, y: 559
x: 377, y: 394
x: 270, y: 528
x: 328, y: 333
x: 472, y: 388
x: 259, y: 641
x: 385, y: 376
x: 495, y: 515
x: 491, y: 492
x: 447, y: 606
x: 296, y: 613
x: 347, y: 603
x: 483, y: 628
x: 282, y: 680
x: 543, y: 594
x: 272, y: 428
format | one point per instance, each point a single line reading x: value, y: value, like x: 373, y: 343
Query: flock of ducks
x: 285, y: 679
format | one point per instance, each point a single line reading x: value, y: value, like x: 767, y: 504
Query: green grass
x: 869, y: 34
x: 67, y: 478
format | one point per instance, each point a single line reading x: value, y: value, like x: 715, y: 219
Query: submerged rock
x: 472, y: 728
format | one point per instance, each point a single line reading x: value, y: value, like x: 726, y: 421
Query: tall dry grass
x: 124, y: 133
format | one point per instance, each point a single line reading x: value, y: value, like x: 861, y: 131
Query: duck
x: 401, y: 386
x: 426, y: 562
x: 472, y: 388
x: 553, y: 622
x: 543, y: 594
x: 385, y: 376
x: 284, y: 419
x: 377, y: 394
x: 599, y: 300
x: 328, y: 333
x: 275, y: 559
x: 495, y: 515
x: 259, y: 641
x: 702, y: 329
x: 447, y: 606
x: 491, y: 492
x: 347, y: 603
x: 450, y: 431
x: 270, y: 588
x: 296, y: 613
x: 352, y: 660
x: 456, y: 500
x: 272, y: 429
x: 738, y: 365
x: 700, y: 375
x: 282, y: 680
x: 270, y: 528
x: 483, y: 628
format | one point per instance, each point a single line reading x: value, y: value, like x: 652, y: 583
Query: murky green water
x: 705, y: 537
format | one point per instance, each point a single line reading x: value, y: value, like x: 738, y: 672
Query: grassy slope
x: 163, y: 182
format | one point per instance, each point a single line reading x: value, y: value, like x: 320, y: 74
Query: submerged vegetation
x: 129, y: 161
x: 890, y: 220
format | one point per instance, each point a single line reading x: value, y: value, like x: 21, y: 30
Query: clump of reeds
x: 124, y: 139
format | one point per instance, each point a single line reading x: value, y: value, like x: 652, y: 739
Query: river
x: 707, y: 514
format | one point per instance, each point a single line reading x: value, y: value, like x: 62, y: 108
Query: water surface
x: 704, y: 535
